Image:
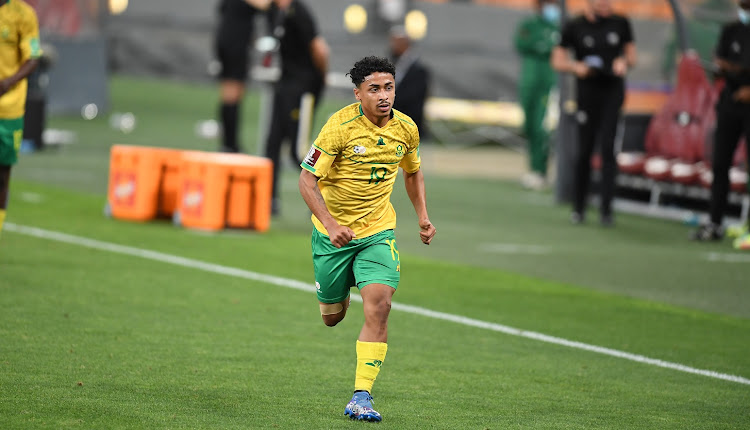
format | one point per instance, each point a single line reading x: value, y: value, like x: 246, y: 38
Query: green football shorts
x: 370, y: 260
x: 11, y: 134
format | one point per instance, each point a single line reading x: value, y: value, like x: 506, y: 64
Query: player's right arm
x: 308, y: 187
x: 317, y: 164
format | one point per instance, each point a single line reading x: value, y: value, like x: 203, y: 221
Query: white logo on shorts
x: 317, y: 285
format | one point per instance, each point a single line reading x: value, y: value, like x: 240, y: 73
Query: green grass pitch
x: 93, y: 338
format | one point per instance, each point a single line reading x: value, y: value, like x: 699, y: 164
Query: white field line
x: 727, y: 257
x: 514, y: 248
x: 305, y: 286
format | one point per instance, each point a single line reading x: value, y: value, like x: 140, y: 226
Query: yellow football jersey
x: 357, y: 163
x: 19, y: 42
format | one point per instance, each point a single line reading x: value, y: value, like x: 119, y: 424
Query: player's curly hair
x: 369, y: 65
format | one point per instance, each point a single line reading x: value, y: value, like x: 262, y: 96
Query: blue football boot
x: 360, y: 407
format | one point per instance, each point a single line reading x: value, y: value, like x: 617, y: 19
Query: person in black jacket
x: 304, y: 63
x: 604, y: 50
x: 732, y: 116
x: 233, y: 35
x: 412, y: 79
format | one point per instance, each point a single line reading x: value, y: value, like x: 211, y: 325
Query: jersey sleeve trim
x: 309, y: 169
x: 414, y: 171
x: 327, y: 153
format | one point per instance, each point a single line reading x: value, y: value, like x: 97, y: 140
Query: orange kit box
x: 225, y: 190
x: 143, y: 182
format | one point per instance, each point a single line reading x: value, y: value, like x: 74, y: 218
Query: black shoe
x: 707, y: 233
x: 607, y: 220
x: 577, y: 218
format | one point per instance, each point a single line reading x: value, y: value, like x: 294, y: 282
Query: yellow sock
x: 370, y: 356
x: 2, y: 219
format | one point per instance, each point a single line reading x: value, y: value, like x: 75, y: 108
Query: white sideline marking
x: 304, y: 286
x: 33, y: 198
x: 514, y: 248
x: 727, y: 257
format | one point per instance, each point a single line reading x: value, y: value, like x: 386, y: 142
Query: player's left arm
x: 22, y: 72
x: 415, y: 189
x: 30, y: 53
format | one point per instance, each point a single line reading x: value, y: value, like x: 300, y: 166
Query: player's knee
x: 332, y: 320
x: 332, y: 313
x: 383, y: 306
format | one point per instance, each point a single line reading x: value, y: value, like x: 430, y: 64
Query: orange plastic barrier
x: 143, y: 182
x: 225, y: 190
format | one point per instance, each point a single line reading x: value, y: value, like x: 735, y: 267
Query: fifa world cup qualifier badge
x: 312, y: 157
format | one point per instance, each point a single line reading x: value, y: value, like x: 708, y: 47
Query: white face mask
x: 744, y: 16
x: 551, y: 12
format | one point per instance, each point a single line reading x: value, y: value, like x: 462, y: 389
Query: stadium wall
x: 469, y: 46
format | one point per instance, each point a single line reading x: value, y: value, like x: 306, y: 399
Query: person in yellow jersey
x: 346, y: 180
x: 19, y: 56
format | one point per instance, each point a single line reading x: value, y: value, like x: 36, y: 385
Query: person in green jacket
x: 534, y: 40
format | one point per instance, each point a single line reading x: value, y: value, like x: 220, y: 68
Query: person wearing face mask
x: 604, y: 50
x: 534, y: 39
x: 732, y: 118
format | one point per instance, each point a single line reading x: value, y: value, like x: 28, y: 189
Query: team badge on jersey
x: 613, y: 38
x: 400, y: 151
x: 312, y: 157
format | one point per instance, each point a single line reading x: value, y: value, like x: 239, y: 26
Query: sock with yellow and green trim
x: 370, y: 356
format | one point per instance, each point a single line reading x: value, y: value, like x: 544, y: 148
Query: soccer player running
x: 346, y: 181
x: 19, y: 56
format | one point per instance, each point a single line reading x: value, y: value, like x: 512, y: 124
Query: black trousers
x: 597, y: 117
x: 285, y: 123
x: 731, y: 124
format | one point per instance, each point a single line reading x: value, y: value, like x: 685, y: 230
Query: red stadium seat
x: 676, y: 135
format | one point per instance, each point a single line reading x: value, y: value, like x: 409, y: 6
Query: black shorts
x: 233, y: 50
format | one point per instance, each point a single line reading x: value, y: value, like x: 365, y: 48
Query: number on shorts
x: 394, y: 251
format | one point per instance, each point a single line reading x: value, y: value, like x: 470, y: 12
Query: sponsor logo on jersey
x: 312, y: 157
x: 380, y: 141
x: 359, y: 149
